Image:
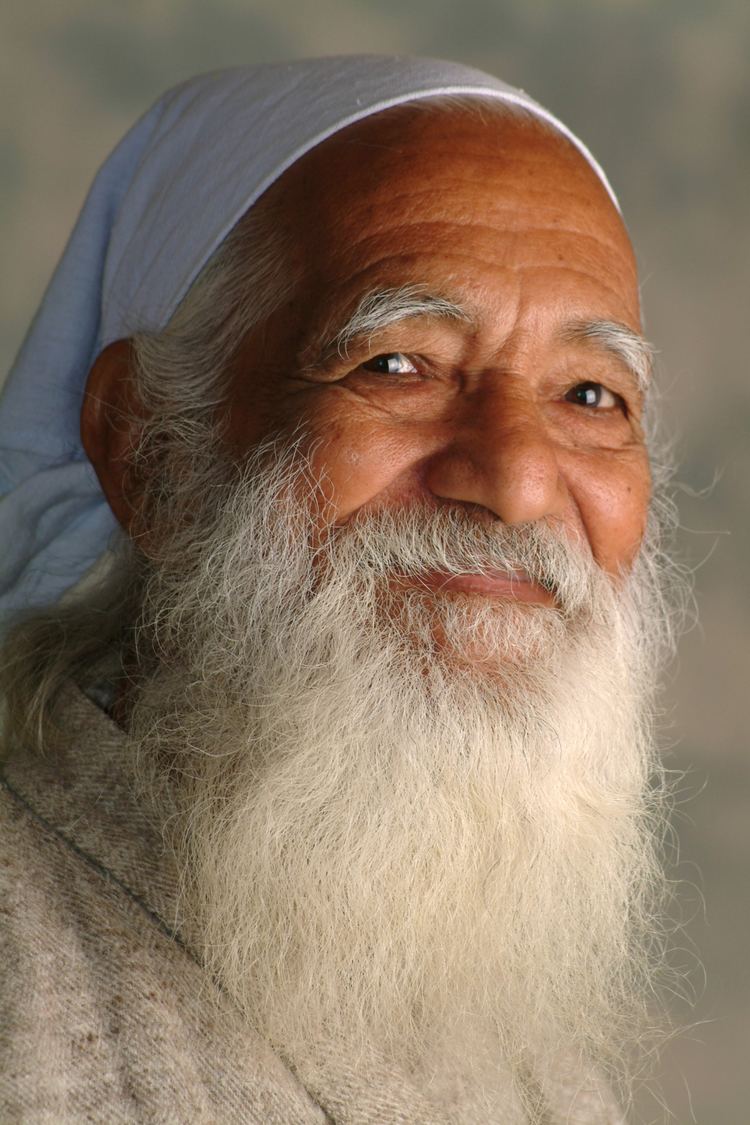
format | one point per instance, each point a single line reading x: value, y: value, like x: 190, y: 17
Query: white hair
x: 399, y: 812
x: 181, y: 380
x: 306, y: 727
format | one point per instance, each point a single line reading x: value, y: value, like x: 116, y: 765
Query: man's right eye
x: 390, y: 363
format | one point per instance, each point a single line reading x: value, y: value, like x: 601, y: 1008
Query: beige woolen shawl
x: 105, y: 1016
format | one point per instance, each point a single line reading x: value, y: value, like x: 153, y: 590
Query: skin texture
x: 511, y: 224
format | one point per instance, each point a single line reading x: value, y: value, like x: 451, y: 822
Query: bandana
x: 159, y: 207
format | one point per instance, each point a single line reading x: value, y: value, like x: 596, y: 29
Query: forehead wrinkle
x: 416, y: 219
x: 378, y: 309
x: 621, y: 341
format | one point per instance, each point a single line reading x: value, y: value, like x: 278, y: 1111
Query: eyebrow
x: 621, y: 341
x: 382, y: 308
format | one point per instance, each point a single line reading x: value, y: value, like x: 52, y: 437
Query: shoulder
x: 103, y: 1014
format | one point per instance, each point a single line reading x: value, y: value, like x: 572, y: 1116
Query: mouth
x: 502, y: 584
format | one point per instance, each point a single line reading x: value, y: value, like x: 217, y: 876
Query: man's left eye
x: 390, y: 363
x: 593, y: 394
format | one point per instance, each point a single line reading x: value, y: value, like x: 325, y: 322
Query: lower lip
x: 500, y: 584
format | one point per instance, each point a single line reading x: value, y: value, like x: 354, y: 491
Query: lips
x: 508, y: 585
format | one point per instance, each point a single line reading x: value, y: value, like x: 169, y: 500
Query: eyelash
x: 584, y: 386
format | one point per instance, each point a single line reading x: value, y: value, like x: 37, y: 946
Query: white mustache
x: 452, y: 541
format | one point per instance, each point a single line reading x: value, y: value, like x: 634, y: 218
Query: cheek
x: 613, y: 498
x: 362, y: 463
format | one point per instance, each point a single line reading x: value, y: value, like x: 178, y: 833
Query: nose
x: 499, y: 454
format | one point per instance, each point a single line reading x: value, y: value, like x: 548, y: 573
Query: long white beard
x: 411, y: 827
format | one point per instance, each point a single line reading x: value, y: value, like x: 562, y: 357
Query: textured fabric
x: 159, y: 207
x: 106, y: 1017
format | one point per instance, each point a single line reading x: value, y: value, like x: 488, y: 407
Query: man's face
x: 508, y: 387
x: 383, y: 843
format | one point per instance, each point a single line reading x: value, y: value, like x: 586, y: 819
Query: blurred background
x: 659, y: 90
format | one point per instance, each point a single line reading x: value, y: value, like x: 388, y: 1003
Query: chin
x: 484, y: 635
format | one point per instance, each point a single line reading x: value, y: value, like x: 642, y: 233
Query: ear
x: 110, y: 415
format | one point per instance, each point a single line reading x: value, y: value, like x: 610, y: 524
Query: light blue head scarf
x: 159, y: 207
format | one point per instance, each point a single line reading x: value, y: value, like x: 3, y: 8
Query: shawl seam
x: 101, y: 870
x: 108, y: 877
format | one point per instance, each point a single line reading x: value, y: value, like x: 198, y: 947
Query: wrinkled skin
x: 511, y: 224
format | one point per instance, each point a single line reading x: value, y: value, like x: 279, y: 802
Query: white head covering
x: 157, y: 210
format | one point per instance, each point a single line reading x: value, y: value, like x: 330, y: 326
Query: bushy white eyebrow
x: 382, y: 308
x: 629, y: 347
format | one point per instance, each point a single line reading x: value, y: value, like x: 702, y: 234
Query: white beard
x: 411, y: 827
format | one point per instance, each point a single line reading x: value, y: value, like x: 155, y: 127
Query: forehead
x: 454, y: 199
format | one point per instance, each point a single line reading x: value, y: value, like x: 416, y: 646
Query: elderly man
x: 329, y: 794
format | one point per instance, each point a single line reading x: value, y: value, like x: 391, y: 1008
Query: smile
x: 508, y: 585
